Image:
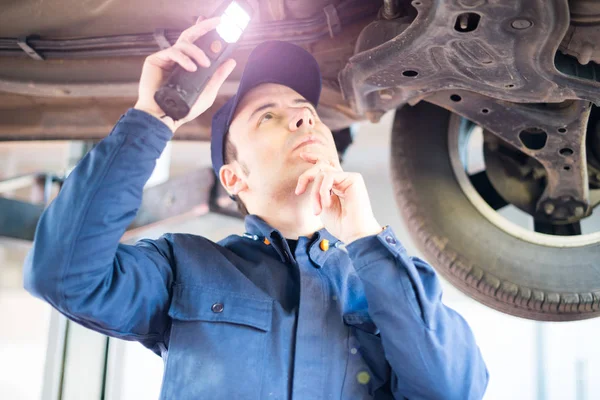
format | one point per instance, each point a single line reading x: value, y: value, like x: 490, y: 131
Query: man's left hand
x: 340, y: 198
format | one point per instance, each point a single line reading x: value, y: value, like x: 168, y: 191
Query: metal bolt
x: 521, y: 24
x: 390, y: 10
x: 549, y: 208
x: 586, y: 53
x: 578, y: 212
x: 463, y: 21
x: 386, y: 94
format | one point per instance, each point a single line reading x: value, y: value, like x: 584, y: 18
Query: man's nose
x: 302, y: 118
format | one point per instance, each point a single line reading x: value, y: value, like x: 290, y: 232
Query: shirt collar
x: 257, y: 226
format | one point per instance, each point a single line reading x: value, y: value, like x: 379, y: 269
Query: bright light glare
x: 239, y: 15
x: 233, y: 21
x: 228, y: 30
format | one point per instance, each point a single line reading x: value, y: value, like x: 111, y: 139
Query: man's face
x: 273, y: 125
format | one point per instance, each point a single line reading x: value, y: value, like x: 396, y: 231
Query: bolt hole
x: 566, y: 151
x: 566, y: 168
x: 533, y: 138
x: 417, y: 3
x: 455, y: 98
x: 562, y: 130
x: 509, y: 86
x: 410, y: 73
x: 485, y: 111
x: 467, y: 22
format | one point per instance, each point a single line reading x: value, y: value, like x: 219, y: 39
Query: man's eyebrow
x: 304, y: 101
x: 259, y: 109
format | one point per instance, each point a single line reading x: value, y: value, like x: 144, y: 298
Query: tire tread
x: 513, y: 298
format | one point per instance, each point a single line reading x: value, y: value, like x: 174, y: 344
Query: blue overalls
x: 245, y: 318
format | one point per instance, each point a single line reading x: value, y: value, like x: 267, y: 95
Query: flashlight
x: 177, y: 96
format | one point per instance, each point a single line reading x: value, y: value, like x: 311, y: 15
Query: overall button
x: 324, y: 245
x: 390, y: 240
x: 217, y: 308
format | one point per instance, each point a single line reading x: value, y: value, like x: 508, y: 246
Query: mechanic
x: 315, y: 301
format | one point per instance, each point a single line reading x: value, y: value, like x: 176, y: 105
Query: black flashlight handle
x: 177, y: 96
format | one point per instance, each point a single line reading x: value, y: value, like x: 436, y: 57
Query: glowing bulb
x: 240, y: 15
x: 228, y: 30
x: 234, y: 20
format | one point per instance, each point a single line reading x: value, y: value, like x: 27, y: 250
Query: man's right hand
x: 158, y: 66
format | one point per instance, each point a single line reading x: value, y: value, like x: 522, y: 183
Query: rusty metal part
x: 552, y: 135
x: 381, y: 31
x: 300, y: 31
x: 518, y: 178
x: 51, y: 118
x: 78, y: 122
x: 334, y: 25
x: 462, y: 44
x: 583, y: 37
x: 51, y: 96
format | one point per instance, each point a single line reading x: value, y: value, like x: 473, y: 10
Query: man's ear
x: 232, y: 179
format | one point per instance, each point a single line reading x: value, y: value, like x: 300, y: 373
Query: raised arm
x: 77, y: 263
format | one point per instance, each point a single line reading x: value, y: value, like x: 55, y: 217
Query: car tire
x: 500, y: 270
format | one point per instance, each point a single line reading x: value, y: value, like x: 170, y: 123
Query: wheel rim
x: 459, y: 135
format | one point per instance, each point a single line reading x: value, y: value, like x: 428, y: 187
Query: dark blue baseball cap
x: 270, y: 62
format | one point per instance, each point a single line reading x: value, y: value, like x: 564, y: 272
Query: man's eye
x: 265, y: 117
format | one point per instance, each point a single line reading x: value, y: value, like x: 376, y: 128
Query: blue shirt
x: 245, y: 318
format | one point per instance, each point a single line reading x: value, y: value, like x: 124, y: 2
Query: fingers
x: 194, y: 52
x: 310, y: 174
x: 191, y: 34
x: 187, y: 55
x: 185, y: 52
x: 181, y: 58
x: 304, y: 179
x: 325, y: 190
x: 315, y: 193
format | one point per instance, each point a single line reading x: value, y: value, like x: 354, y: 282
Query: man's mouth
x: 307, y: 140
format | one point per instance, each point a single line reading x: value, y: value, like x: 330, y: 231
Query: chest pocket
x: 217, y: 344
